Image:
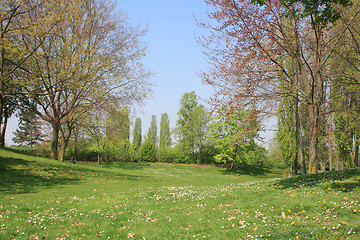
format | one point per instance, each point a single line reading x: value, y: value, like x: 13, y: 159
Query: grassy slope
x: 47, y: 199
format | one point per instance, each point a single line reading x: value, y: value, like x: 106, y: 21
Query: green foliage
x: 42, y: 150
x: 233, y: 133
x: 147, y: 152
x: 275, y: 157
x: 286, y: 133
x: 323, y: 11
x: 151, y: 135
x: 343, y: 138
x: 165, y: 135
x: 192, y: 124
x: 166, y: 155
x: 137, y: 133
x: 119, y: 152
x: 29, y: 129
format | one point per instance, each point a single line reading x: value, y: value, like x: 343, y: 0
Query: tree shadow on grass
x: 22, y: 176
x: 251, y: 170
x: 18, y: 176
x: 333, y: 179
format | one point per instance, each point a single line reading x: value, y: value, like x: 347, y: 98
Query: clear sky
x: 173, y: 54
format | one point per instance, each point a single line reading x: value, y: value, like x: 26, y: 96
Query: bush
x: 147, y: 152
x: 166, y: 155
x: 42, y: 150
x: 119, y: 152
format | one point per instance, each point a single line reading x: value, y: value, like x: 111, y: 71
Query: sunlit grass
x: 47, y: 199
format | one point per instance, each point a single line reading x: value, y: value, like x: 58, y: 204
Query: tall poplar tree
x: 152, y: 132
x: 137, y: 133
x: 165, y: 135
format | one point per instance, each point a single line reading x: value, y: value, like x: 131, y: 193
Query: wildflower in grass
x: 292, y: 223
x: 355, y: 210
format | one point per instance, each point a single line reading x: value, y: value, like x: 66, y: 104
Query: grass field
x: 47, y: 199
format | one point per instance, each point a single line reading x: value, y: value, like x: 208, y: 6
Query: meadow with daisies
x: 48, y: 199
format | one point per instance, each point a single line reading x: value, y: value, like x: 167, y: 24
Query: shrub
x: 147, y: 152
x: 166, y: 155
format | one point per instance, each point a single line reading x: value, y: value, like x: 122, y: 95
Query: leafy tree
x: 148, y: 152
x: 108, y: 126
x: 78, y: 66
x: 286, y: 135
x: 137, y: 133
x: 325, y: 11
x: 29, y: 129
x: 15, y: 20
x: 192, y: 124
x: 165, y: 135
x: 233, y: 132
x: 151, y: 135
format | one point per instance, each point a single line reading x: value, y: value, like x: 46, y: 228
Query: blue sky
x: 173, y: 53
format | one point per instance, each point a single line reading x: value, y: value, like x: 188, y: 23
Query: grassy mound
x: 47, y: 199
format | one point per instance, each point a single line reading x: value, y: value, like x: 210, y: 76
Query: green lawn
x: 47, y: 199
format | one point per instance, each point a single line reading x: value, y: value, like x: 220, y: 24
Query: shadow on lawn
x: 252, y: 170
x: 333, y: 179
x: 22, y: 176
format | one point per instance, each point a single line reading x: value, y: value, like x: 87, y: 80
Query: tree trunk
x: 64, y: 143
x: 55, y: 140
x: 330, y: 145
x: 3, y: 132
x: 301, y: 147
x: 99, y: 159
x: 313, y: 145
x: 2, y: 143
x: 356, y: 156
x: 290, y: 170
x: 75, y: 144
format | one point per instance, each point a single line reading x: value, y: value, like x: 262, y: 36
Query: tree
x: 233, y: 132
x: 151, y: 135
x: 14, y: 21
x: 286, y: 135
x: 165, y: 135
x: 192, y: 124
x: 325, y: 11
x: 29, y: 129
x: 91, y: 56
x: 137, y: 133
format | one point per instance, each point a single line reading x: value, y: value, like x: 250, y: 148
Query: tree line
x: 198, y: 137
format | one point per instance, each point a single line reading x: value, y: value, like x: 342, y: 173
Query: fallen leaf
x: 130, y: 235
x: 283, y: 215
